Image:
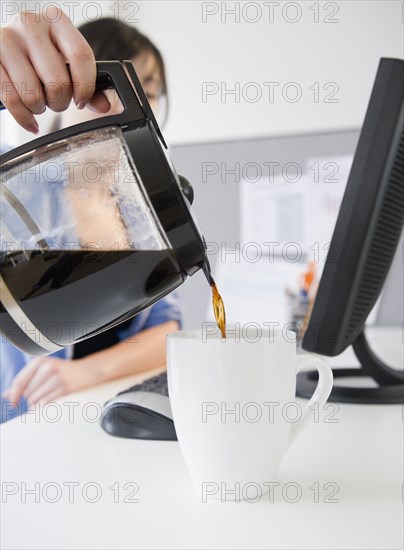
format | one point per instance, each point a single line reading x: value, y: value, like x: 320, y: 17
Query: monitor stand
x: 391, y: 381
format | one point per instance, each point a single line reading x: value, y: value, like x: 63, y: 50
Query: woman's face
x: 147, y: 69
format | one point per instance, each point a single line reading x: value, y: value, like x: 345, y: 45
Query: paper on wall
x: 304, y: 212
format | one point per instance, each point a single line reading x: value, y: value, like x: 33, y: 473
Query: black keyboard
x: 156, y: 384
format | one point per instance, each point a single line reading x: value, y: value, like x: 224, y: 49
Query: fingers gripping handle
x: 321, y: 394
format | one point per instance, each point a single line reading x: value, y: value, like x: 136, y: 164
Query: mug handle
x: 321, y: 394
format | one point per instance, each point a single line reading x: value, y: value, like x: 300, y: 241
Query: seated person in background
x: 140, y: 343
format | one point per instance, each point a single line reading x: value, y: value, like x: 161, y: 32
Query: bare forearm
x: 144, y: 351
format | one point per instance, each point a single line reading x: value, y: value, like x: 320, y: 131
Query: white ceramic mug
x: 234, y: 408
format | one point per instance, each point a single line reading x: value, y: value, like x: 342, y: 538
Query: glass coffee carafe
x: 95, y: 225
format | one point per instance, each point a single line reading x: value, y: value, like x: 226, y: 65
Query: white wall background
x: 227, y: 49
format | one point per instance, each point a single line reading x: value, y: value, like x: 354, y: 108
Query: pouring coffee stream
x: 218, y: 309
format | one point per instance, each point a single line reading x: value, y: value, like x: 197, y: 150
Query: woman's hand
x: 45, y: 379
x: 33, y: 75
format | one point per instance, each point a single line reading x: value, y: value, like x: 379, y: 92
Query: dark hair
x: 112, y: 39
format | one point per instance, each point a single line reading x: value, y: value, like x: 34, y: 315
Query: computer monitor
x: 363, y: 245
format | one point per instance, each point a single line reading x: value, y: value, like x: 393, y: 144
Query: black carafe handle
x: 103, y: 82
x: 110, y: 74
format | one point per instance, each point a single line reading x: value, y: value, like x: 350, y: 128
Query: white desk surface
x: 362, y: 454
